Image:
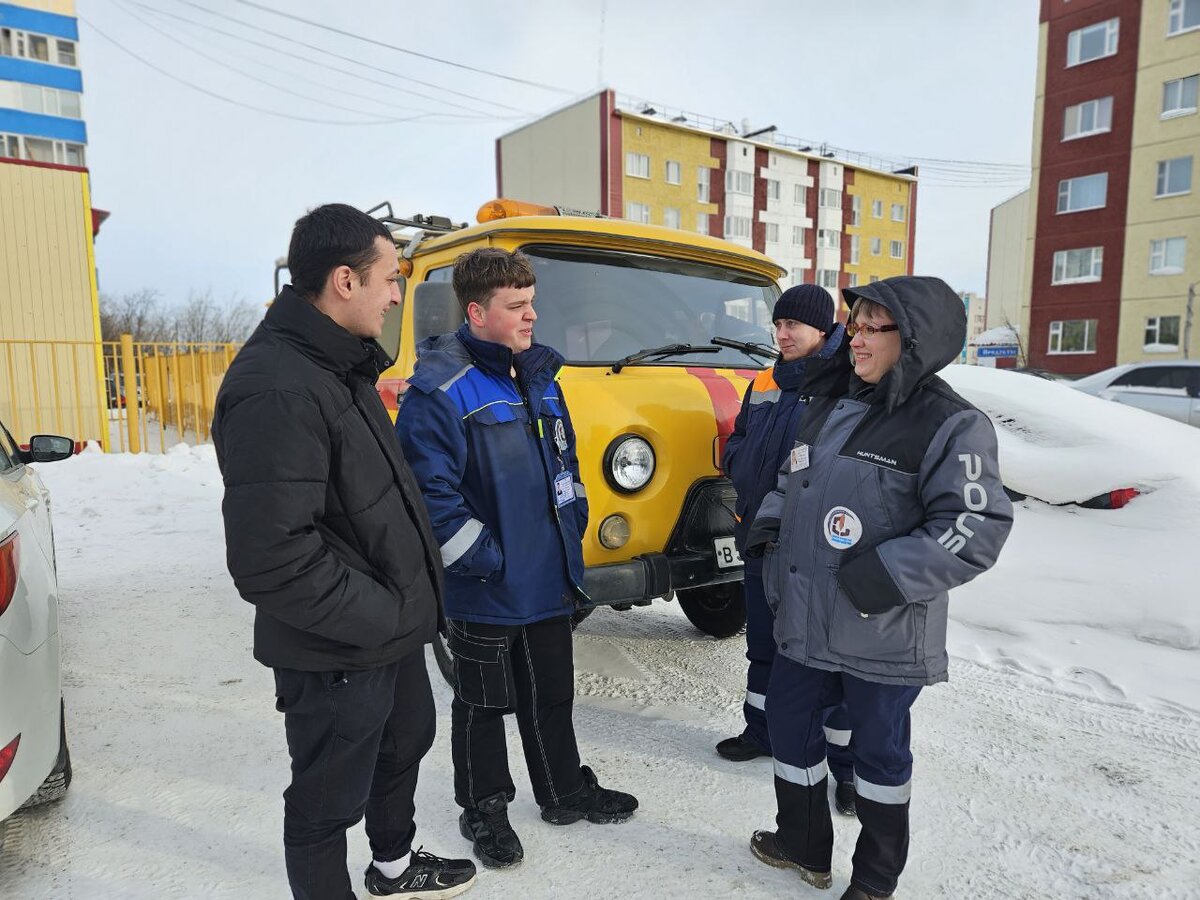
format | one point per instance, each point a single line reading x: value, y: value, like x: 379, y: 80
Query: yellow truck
x: 662, y: 330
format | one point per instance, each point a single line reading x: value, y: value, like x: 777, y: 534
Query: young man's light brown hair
x: 480, y: 273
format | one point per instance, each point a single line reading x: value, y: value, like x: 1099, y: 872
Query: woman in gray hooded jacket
x: 883, y: 505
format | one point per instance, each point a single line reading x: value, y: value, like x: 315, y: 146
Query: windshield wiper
x: 666, y: 350
x: 752, y: 349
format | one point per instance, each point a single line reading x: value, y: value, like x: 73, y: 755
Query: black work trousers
x: 500, y: 669
x: 356, y: 740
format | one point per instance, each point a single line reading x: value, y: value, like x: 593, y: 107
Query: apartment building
x: 1113, y: 226
x: 825, y: 219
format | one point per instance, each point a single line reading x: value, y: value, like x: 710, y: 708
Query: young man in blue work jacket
x: 813, y: 369
x: 487, y: 432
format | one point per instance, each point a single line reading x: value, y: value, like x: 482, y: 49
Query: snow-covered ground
x: 1060, y: 761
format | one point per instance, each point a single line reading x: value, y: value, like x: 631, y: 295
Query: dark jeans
x: 499, y: 669
x: 356, y: 740
x: 760, y: 651
x: 799, y: 701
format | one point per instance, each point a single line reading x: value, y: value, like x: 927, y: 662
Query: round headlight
x: 614, y: 532
x: 629, y: 463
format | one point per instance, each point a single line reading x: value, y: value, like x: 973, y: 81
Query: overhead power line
x: 479, y: 116
x: 222, y: 97
x: 359, y: 62
x: 378, y: 43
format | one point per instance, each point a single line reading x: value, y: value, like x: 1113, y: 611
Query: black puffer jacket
x: 325, y: 529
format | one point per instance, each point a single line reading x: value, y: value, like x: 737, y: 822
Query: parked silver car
x: 1168, y: 388
x: 35, y: 766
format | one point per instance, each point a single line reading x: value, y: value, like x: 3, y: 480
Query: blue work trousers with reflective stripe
x: 760, y: 651
x: 799, y: 702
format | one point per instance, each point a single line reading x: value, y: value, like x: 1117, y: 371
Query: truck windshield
x: 597, y: 307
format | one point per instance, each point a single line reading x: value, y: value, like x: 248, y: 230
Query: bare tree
x: 200, y: 319
x: 139, y: 314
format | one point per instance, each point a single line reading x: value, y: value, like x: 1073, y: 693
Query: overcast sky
x: 203, y: 192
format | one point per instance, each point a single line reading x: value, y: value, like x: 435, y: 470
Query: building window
x: 737, y: 226
x: 1162, y: 334
x: 851, y: 280
x: 1084, y: 192
x: 830, y: 198
x: 856, y: 210
x: 876, y: 246
x: 854, y: 249
x: 673, y: 172
x: 1093, y: 42
x: 1167, y: 256
x: 797, y: 236
x: 877, y: 209
x: 1174, y: 177
x: 1179, y: 96
x: 701, y: 223
x: 15, y: 146
x: 897, y: 212
x: 1084, y: 119
x: 739, y: 182
x: 1073, y: 336
x: 873, y: 279
x: 1184, y: 16
x: 637, y: 165
x: 798, y: 194
x: 772, y: 233
x: 671, y: 217
x: 10, y: 146
x: 896, y: 249
x: 772, y: 189
x: 827, y: 278
x: 829, y: 238
x: 637, y: 212
x: 797, y: 276
x: 702, y: 183
x: 37, y: 47
x: 1073, y: 266
x: 66, y: 53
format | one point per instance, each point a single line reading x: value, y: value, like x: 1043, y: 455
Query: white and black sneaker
x: 426, y: 876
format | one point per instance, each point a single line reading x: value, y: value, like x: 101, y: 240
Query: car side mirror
x: 44, y: 448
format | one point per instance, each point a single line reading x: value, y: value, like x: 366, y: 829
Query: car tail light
x: 7, y: 755
x: 10, y: 557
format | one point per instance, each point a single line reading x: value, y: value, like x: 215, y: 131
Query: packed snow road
x: 1031, y: 781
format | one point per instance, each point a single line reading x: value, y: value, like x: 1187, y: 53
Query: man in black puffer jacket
x: 328, y: 537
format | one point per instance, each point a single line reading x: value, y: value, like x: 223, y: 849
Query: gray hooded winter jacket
x: 886, y: 503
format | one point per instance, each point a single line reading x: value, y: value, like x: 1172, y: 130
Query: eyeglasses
x: 869, y: 330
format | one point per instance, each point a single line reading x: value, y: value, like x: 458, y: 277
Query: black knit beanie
x: 807, y: 303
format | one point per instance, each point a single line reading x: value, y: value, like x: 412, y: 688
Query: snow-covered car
x: 1168, y: 388
x: 35, y: 766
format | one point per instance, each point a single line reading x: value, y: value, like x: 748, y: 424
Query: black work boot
x: 738, y: 749
x: 592, y: 802
x: 844, y: 796
x: 765, y: 846
x: 486, y: 826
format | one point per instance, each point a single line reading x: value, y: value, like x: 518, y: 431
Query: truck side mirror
x: 435, y: 310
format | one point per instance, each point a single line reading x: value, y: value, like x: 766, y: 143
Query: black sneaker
x: 738, y: 749
x: 765, y: 846
x: 426, y: 876
x: 592, y: 802
x: 854, y: 892
x: 843, y: 798
x: 487, y: 827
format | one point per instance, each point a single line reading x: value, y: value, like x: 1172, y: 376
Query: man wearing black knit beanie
x: 813, y: 370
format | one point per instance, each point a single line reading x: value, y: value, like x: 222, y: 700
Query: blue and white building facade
x: 41, y: 86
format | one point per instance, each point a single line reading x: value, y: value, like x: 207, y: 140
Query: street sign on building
x: 1002, y: 350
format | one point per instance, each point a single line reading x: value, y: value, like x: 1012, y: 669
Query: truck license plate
x: 727, y: 555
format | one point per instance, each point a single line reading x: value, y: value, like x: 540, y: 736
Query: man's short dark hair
x: 330, y: 236
x: 480, y: 273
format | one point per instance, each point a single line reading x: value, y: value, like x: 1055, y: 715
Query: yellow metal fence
x: 125, y: 395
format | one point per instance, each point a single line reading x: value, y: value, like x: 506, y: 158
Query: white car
x: 35, y: 766
x: 1170, y: 389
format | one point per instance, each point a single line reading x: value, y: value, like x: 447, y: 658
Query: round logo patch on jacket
x: 842, y: 528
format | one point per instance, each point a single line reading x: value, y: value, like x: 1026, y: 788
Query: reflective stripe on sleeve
x: 837, y: 737
x: 454, y: 548
x: 580, y: 492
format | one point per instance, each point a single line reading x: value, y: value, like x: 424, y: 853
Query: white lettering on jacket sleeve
x: 975, y: 498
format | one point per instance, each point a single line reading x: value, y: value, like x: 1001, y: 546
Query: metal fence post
x: 131, y: 398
